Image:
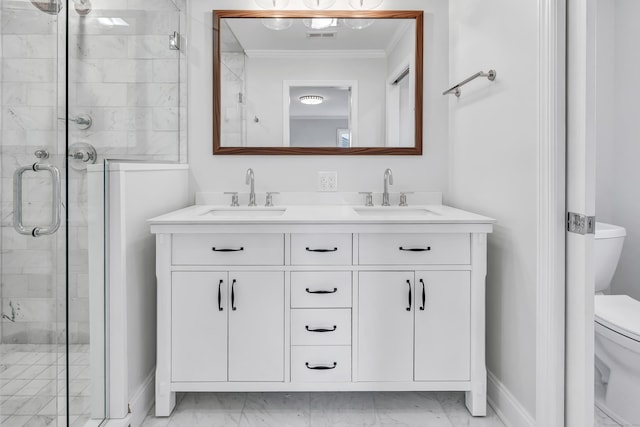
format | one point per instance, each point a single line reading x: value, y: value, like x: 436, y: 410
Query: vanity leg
x: 165, y: 400
x: 476, y: 400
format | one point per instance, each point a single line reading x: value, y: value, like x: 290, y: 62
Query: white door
x: 581, y: 78
x: 256, y: 326
x: 385, y: 326
x: 199, y: 326
x: 442, y: 326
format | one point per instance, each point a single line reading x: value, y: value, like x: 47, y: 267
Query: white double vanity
x: 321, y: 298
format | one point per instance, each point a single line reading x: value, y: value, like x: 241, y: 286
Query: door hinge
x: 128, y: 408
x: 581, y: 224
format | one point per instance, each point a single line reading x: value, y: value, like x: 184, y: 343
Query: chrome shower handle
x: 55, y: 202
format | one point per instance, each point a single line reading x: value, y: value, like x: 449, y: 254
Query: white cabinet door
x: 256, y: 326
x: 198, y: 326
x: 385, y: 326
x: 442, y: 326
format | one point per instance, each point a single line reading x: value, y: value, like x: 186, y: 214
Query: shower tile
x: 16, y: 421
x: 32, y: 118
x: 153, y: 95
x: 103, y: 94
x: 41, y: 421
x: 165, y: 71
x: 98, y: 46
x: 87, y: 71
x: 34, y: 405
x: 28, y: 46
x: 28, y: 70
x: 127, y: 70
x: 32, y: 388
x: 166, y: 119
x: 27, y: 22
x: 12, y: 388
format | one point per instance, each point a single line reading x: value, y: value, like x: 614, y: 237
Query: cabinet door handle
x: 321, y: 367
x: 233, y: 295
x: 220, y: 295
x: 321, y: 329
x: 322, y: 292
x: 214, y: 249
x: 428, y: 248
x: 424, y: 294
x: 322, y: 250
x: 409, y: 283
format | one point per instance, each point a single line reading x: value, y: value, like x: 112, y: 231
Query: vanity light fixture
x: 319, y: 4
x: 311, y: 99
x: 272, y: 4
x: 277, y: 24
x: 365, y: 4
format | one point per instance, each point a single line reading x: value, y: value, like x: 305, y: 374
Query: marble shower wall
x: 121, y: 73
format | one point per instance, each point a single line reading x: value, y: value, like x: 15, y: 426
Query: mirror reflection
x: 327, y: 81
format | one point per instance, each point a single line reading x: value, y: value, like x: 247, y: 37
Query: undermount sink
x: 249, y: 212
x: 393, y: 211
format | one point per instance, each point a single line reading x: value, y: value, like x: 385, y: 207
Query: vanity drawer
x: 228, y: 249
x: 320, y: 364
x: 418, y: 248
x: 321, y: 249
x: 318, y: 289
x: 321, y: 326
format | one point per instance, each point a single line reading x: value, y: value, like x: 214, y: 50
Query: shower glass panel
x: 33, y: 270
x: 80, y: 83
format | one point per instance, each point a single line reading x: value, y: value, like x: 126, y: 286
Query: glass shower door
x: 33, y: 363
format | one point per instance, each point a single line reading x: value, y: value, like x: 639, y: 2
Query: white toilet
x: 617, y: 334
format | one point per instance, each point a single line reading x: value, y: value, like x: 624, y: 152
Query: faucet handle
x: 368, y: 199
x: 269, y: 201
x: 403, y: 198
x: 234, y: 198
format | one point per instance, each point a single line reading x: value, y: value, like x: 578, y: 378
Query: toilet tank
x: 608, y: 247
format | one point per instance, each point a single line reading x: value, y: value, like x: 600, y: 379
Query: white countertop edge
x: 318, y: 215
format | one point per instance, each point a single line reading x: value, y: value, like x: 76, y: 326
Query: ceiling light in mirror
x: 358, y: 24
x: 319, y: 4
x: 277, y: 24
x: 311, y: 99
x: 365, y: 4
x: 320, y: 23
x: 272, y: 4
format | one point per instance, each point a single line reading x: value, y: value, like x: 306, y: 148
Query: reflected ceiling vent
x: 322, y: 35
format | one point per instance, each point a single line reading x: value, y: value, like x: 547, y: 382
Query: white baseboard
x: 140, y: 404
x: 507, y: 407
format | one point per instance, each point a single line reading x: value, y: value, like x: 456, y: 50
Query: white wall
x: 286, y: 173
x: 493, y: 171
x: 618, y: 127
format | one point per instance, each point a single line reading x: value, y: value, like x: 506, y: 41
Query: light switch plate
x: 328, y: 181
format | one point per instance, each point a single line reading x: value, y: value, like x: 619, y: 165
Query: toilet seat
x: 620, y: 313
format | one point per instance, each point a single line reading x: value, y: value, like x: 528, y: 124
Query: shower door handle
x: 53, y: 226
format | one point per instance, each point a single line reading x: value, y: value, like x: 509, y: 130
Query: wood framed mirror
x: 317, y: 82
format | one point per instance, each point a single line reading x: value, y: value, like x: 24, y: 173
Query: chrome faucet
x: 388, y: 179
x: 250, y: 180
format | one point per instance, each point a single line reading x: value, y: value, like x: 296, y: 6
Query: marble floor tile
x: 342, y: 409
x: 330, y: 409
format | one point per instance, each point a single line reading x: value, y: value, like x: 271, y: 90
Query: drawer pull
x: 220, y: 295
x: 428, y: 248
x: 227, y: 250
x: 408, y: 283
x: 322, y: 292
x: 233, y: 295
x: 424, y: 295
x: 321, y: 367
x: 322, y: 250
x: 321, y: 329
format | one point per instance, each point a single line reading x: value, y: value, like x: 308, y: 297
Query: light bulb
x: 272, y: 4
x: 365, y: 4
x: 311, y: 99
x: 319, y: 4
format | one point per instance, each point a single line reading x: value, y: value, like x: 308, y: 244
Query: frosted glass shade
x: 319, y: 4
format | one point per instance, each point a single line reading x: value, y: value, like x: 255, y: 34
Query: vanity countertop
x: 318, y: 214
